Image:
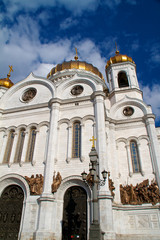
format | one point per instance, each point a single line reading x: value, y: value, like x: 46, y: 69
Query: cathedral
x: 79, y: 157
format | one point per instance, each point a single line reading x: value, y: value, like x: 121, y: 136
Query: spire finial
x: 117, y: 52
x: 76, y: 57
x: 10, y: 70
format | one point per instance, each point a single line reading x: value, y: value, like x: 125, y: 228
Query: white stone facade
x: 52, y: 113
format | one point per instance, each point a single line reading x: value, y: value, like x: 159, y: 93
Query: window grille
x: 135, y: 156
x: 31, y: 145
x: 76, y: 144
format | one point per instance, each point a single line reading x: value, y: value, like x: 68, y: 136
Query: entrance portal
x: 11, y: 203
x: 74, y: 224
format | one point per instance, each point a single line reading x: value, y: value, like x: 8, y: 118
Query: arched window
x: 20, y: 146
x: 76, y: 140
x: 135, y: 156
x: 122, y: 80
x: 9, y: 146
x: 31, y: 144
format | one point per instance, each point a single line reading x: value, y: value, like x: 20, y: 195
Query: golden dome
x: 6, y: 82
x: 75, y: 65
x: 119, y: 58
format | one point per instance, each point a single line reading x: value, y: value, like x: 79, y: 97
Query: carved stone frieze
x: 35, y: 184
x: 56, y: 182
x: 141, y: 193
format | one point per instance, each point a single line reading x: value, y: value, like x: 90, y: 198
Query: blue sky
x: 36, y: 35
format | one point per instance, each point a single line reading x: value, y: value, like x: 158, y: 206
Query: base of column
x: 109, y: 236
x: 43, y: 236
x: 95, y: 232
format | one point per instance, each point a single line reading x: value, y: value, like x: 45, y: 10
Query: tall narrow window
x: 135, y: 156
x: 31, y: 145
x: 20, y: 146
x: 122, y: 79
x: 9, y: 146
x: 76, y: 142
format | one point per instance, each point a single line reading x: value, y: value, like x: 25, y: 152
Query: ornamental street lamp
x: 95, y: 181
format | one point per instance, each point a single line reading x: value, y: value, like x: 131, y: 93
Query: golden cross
x: 93, y: 141
x: 76, y: 57
x: 10, y: 70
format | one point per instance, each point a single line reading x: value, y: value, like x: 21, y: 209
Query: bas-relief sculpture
x: 141, y: 193
x: 56, y: 182
x: 36, y: 183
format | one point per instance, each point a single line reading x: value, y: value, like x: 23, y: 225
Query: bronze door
x: 11, y: 203
x: 74, y: 225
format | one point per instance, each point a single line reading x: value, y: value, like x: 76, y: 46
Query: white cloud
x: 76, y: 7
x: 13, y: 7
x: 152, y: 97
x: 68, y: 22
x: 43, y: 69
x: 22, y: 48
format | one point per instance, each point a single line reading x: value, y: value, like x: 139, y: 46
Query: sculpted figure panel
x: 35, y: 184
x: 141, y: 193
x: 56, y: 182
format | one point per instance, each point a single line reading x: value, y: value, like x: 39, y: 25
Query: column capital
x: 53, y: 101
x: 148, y: 117
x: 97, y: 93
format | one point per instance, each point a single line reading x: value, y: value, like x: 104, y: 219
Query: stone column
x: 14, y: 148
x: 100, y: 132
x: 52, y: 143
x: 4, y: 145
x: 104, y: 196
x: 47, y: 205
x: 154, y: 144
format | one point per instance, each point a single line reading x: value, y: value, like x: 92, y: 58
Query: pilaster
x: 5, y: 137
x: 150, y: 125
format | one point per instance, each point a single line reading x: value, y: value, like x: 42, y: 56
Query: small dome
x: 119, y: 58
x: 6, y: 82
x: 75, y: 65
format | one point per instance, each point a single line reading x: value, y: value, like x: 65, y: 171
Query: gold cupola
x: 6, y: 82
x: 75, y: 65
x: 118, y: 58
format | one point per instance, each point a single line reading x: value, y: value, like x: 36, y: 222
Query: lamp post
x: 95, y: 231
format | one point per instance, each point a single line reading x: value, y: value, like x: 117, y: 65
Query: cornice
x: 24, y: 108
x: 124, y: 90
x: 135, y: 207
x: 124, y: 121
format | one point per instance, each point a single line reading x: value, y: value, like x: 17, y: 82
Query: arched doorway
x: 11, y: 203
x: 74, y: 225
